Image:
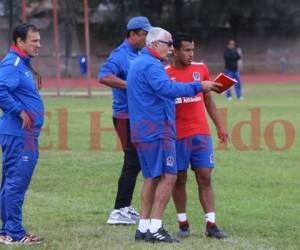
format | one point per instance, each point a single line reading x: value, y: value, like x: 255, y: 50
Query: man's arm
x: 112, y: 69
x: 113, y: 82
x: 9, y: 105
x: 9, y: 80
x: 213, y: 114
x: 162, y: 85
x: 238, y: 56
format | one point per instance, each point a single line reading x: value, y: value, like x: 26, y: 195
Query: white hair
x: 155, y: 33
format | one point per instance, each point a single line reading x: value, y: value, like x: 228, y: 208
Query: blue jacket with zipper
x: 18, y: 92
x: 151, y: 95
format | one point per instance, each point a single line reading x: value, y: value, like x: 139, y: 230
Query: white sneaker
x: 120, y: 217
x: 241, y: 98
x: 229, y: 98
x: 134, y: 215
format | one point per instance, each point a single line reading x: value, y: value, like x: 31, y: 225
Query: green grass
x: 257, y: 191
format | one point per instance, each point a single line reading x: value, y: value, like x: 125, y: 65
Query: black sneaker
x: 184, y: 230
x: 139, y: 235
x: 160, y: 236
x: 213, y: 231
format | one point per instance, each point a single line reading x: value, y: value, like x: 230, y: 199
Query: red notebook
x: 226, y: 81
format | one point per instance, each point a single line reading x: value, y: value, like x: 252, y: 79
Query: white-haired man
x: 152, y: 123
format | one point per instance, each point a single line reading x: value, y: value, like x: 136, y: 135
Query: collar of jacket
x: 154, y: 53
x: 21, y: 53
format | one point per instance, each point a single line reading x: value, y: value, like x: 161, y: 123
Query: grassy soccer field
x: 256, y: 186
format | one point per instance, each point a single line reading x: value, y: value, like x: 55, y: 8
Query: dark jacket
x: 231, y: 56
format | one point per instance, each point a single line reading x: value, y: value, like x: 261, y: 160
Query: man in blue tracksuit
x: 151, y: 106
x: 113, y: 73
x: 20, y: 126
x: 231, y: 57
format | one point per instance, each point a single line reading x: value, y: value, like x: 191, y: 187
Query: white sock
x: 155, y: 224
x: 144, y: 225
x: 210, y: 217
x: 182, y: 217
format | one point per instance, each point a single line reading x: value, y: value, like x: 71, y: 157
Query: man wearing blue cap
x: 113, y: 73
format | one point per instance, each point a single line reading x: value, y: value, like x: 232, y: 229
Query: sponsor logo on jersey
x: 170, y: 161
x: 27, y: 73
x: 191, y: 99
x: 178, y: 100
x: 212, y: 158
x: 187, y: 99
x: 173, y: 78
x: 196, y: 76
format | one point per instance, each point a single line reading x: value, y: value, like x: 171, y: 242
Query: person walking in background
x: 113, y: 73
x: 231, y: 58
x: 193, y: 140
x: 151, y: 106
x: 20, y: 126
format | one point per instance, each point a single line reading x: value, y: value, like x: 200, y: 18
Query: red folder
x: 226, y: 81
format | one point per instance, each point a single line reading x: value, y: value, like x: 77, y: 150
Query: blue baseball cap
x: 139, y: 22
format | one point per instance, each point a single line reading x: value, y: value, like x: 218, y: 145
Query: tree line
x: 203, y: 18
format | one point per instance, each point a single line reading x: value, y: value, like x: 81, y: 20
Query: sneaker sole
x: 20, y: 243
x: 11, y: 243
x: 139, y: 239
x: 214, y: 237
x: 160, y: 241
x: 183, y: 235
x: 163, y: 242
x: 116, y: 222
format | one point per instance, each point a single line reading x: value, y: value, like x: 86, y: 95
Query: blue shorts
x: 157, y: 157
x: 197, y: 150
